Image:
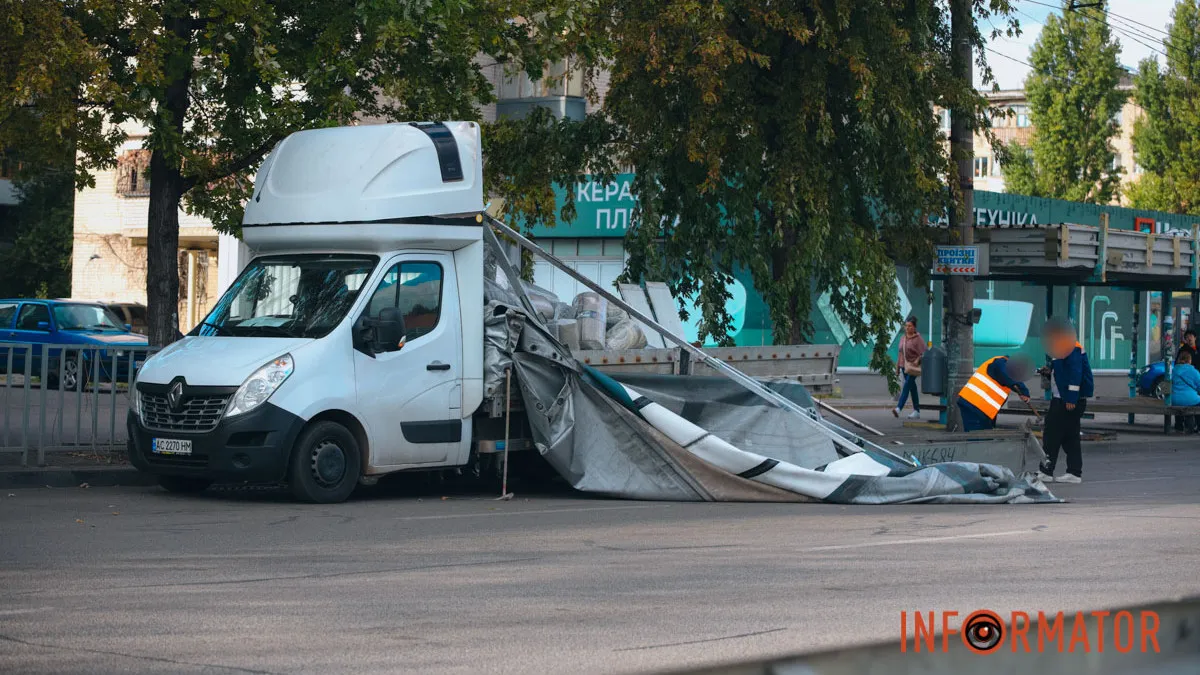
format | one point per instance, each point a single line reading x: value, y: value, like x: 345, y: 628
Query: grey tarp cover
x: 601, y: 445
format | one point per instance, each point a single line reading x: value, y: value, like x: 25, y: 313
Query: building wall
x: 109, y: 249
x: 989, y: 175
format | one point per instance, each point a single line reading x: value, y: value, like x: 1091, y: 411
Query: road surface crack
x: 697, y: 642
x: 156, y: 659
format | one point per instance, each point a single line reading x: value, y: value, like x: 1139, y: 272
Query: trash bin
x: 933, y: 372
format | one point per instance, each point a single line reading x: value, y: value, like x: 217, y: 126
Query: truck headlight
x: 260, y: 385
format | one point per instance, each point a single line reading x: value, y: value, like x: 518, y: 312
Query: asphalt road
x: 136, y: 580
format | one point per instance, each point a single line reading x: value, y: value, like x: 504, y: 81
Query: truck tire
x: 325, y: 465
x: 184, y: 485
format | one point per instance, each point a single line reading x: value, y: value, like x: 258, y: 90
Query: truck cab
x: 351, y: 345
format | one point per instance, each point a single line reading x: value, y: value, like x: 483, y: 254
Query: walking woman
x: 912, y: 350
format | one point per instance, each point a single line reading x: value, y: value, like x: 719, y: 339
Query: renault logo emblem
x: 175, y: 396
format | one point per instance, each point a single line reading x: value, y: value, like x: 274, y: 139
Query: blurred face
x: 1059, y: 344
x: 910, y: 329
x: 1189, y: 339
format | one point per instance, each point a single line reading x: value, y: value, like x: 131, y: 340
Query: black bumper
x: 253, y: 447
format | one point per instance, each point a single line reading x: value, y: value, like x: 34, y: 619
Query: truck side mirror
x: 43, y: 325
x: 389, y: 330
x: 128, y: 327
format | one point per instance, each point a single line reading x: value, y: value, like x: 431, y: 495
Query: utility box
x: 933, y: 372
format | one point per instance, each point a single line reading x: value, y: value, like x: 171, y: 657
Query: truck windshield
x: 289, y: 296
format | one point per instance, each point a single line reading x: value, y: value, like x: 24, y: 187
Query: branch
x: 233, y: 166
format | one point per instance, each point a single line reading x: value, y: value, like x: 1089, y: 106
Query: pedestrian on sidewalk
x: 1071, y: 386
x: 1189, y: 344
x: 912, y: 351
x: 1185, y: 389
x: 982, y: 397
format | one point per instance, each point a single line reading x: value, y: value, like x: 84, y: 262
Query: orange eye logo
x: 983, y: 631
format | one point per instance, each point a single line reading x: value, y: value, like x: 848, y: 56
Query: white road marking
x: 922, y: 540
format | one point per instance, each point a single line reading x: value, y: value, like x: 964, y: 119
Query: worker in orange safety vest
x: 982, y: 397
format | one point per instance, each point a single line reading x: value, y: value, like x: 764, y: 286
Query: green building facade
x: 1012, y: 315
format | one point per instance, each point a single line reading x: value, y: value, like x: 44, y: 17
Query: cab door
x: 410, y: 398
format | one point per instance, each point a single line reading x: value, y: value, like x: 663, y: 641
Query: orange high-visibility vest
x: 986, y: 394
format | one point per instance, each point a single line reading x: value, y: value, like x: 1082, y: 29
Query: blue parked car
x: 1150, y: 379
x: 66, y: 322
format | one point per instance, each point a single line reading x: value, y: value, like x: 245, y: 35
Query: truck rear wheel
x: 326, y: 463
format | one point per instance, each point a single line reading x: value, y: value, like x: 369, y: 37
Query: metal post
x: 1046, y: 389
x: 1168, y: 327
x: 8, y: 376
x: 112, y: 410
x: 1133, y: 353
x: 1073, y: 305
x: 839, y: 436
x: 25, y: 405
x: 45, y: 375
x: 95, y: 396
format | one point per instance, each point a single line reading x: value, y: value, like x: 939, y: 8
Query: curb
x: 125, y: 476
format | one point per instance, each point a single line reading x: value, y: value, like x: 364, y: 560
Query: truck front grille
x: 198, y: 414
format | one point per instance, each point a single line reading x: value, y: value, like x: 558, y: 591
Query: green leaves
x: 795, y: 140
x: 253, y: 71
x: 1167, y: 139
x: 1073, y: 100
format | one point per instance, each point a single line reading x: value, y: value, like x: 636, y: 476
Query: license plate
x: 170, y: 446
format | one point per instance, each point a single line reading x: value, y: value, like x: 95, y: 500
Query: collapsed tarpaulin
x: 664, y: 437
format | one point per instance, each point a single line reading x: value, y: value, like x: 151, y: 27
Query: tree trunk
x: 167, y: 186
x: 959, y: 328
x: 780, y: 259
x: 162, y: 252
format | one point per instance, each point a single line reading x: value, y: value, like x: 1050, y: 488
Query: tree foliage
x: 1073, y: 99
x: 1167, y: 139
x: 219, y: 82
x: 795, y: 140
x: 36, y: 258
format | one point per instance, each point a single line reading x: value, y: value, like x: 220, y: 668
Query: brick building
x: 109, y: 252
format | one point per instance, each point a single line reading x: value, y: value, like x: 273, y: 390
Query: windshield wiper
x: 220, y: 329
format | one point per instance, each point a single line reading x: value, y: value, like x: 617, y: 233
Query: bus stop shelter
x: 1073, y: 256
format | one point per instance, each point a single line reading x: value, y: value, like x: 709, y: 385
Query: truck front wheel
x: 325, y: 464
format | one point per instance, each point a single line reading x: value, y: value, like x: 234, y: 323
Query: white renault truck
x: 352, y: 345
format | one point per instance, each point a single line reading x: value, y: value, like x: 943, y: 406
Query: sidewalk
x: 70, y: 469
x: 876, y: 411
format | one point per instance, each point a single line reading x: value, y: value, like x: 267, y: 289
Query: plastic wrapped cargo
x: 625, y: 335
x: 568, y: 332
x: 615, y: 316
x: 591, y: 311
x: 563, y: 310
x: 544, y: 301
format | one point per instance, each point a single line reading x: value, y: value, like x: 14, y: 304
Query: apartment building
x: 1011, y: 121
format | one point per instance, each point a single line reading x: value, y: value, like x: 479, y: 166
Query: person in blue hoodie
x: 1072, y: 386
x: 1185, y: 388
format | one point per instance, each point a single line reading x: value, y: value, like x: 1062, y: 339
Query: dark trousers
x: 910, y: 387
x: 1062, y: 431
x: 973, y: 418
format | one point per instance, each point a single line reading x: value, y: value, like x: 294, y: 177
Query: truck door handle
x: 438, y: 365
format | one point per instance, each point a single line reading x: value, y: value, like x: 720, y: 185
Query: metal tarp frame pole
x: 856, y: 444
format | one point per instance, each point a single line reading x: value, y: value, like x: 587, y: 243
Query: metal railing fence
x: 66, y: 398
